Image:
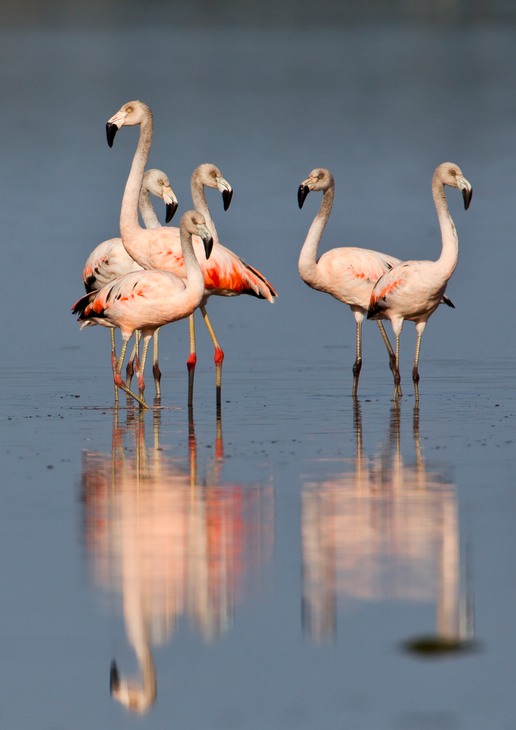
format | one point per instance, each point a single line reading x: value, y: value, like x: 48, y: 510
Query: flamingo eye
x: 320, y: 176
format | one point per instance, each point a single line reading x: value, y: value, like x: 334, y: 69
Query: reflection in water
x: 384, y: 530
x: 167, y: 544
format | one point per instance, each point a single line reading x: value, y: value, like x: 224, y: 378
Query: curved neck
x: 201, y: 204
x: 150, y: 219
x: 307, y: 263
x: 194, y: 275
x: 129, y: 222
x: 447, y: 261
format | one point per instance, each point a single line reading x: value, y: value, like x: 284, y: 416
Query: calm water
x: 299, y: 562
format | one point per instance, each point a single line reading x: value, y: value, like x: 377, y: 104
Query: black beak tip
x: 208, y: 246
x: 170, y: 211
x: 302, y: 192
x: 111, y: 130
x: 114, y: 677
x: 467, y: 194
x: 226, y: 198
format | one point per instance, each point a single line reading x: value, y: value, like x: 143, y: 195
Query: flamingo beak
x: 170, y: 210
x: 171, y: 204
x: 226, y: 198
x: 114, y: 678
x: 467, y: 191
x: 227, y: 191
x: 111, y: 130
x: 302, y: 192
x: 114, y: 124
x: 207, y: 240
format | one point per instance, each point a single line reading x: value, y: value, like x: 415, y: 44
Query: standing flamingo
x: 349, y: 273
x: 146, y: 300
x: 225, y: 275
x: 414, y: 289
x: 109, y: 259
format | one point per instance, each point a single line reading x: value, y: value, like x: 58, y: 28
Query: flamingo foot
x: 120, y: 384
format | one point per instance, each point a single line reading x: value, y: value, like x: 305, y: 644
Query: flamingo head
x: 157, y: 183
x: 134, y: 112
x: 450, y: 174
x: 135, y: 698
x: 194, y: 223
x: 210, y: 176
x: 318, y: 179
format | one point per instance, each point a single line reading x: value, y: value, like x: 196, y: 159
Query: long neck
x: 129, y: 223
x: 307, y: 263
x: 447, y: 261
x: 194, y: 275
x: 201, y: 204
x: 150, y: 219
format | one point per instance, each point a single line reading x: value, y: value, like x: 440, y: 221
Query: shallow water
x: 301, y: 561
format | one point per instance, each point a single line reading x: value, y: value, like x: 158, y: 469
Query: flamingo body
x: 349, y: 274
x: 144, y: 300
x: 106, y: 262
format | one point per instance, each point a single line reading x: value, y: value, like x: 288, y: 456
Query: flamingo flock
x: 154, y: 275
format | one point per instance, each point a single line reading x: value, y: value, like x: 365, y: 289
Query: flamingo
x: 413, y: 289
x: 109, y: 259
x: 349, y: 273
x: 225, y: 275
x: 146, y: 300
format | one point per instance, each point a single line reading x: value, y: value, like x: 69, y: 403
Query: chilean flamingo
x: 225, y: 275
x: 146, y: 300
x: 414, y: 289
x: 110, y: 259
x: 349, y: 273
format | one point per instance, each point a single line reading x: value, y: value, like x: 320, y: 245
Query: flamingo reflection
x: 168, y: 544
x: 384, y: 530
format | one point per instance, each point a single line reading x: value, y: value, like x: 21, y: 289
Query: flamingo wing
x: 387, y: 286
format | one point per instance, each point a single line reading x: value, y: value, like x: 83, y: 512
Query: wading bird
x: 414, y: 289
x: 225, y: 274
x: 347, y: 273
x: 146, y: 300
x: 110, y: 260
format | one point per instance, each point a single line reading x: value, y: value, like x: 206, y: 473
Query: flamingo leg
x: 392, y: 356
x: 113, y: 360
x: 219, y: 353
x: 192, y: 359
x: 218, y: 356
x: 155, y: 365
x: 120, y: 383
x: 141, y: 366
x: 396, y: 372
x: 420, y: 326
x: 130, y: 368
x: 357, y: 367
